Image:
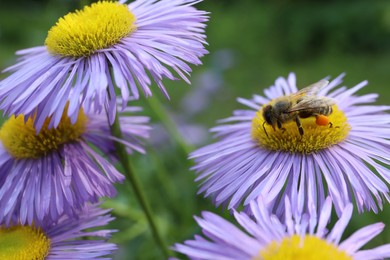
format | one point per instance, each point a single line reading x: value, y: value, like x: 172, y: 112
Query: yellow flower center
x: 23, y: 242
x: 302, y: 248
x: 21, y: 141
x: 81, y: 33
x: 317, y: 135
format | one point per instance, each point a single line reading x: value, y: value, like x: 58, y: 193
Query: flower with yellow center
x: 315, y: 138
x: 23, y: 242
x: 96, y: 27
x: 298, y: 237
x: 56, y: 171
x: 58, y: 240
x: 21, y: 141
x: 307, y: 247
x: 341, y: 152
x: 107, y: 45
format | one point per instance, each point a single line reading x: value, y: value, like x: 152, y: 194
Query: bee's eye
x: 267, y: 114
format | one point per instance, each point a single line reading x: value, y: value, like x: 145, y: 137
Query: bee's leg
x: 265, y: 131
x: 280, y: 126
x: 300, y: 128
x: 331, y: 125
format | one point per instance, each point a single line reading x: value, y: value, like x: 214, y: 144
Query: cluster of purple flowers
x: 57, y: 149
x: 287, y: 181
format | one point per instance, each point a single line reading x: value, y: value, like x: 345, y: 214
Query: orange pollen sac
x: 322, y: 120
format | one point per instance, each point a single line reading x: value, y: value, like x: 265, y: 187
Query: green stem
x: 131, y: 178
x: 169, y: 124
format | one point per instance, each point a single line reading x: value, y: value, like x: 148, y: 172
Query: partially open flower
x: 59, y: 169
x: 62, y: 239
x: 268, y: 238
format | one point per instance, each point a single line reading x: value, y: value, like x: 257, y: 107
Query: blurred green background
x: 251, y: 43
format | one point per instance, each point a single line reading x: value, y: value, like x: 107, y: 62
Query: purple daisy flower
x: 62, y: 239
x: 60, y: 169
x: 346, y: 159
x: 89, y: 52
x: 266, y: 237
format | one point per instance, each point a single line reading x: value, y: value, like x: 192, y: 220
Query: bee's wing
x: 311, y: 90
x: 308, y: 102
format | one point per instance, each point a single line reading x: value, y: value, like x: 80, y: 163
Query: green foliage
x: 267, y: 39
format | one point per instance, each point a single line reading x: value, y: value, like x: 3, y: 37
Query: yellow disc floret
x: 96, y: 27
x: 23, y: 242
x: 302, y: 248
x: 21, y: 141
x: 317, y: 135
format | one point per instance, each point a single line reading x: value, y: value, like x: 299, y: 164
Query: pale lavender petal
x: 380, y: 252
x: 361, y: 237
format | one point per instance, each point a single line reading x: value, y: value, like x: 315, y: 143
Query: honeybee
x: 302, y: 104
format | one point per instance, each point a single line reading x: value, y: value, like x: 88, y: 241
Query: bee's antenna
x: 265, y: 131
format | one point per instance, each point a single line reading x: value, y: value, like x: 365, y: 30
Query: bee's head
x: 267, y: 115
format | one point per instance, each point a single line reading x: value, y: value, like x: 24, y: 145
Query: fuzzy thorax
x: 99, y: 26
x: 317, y: 135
